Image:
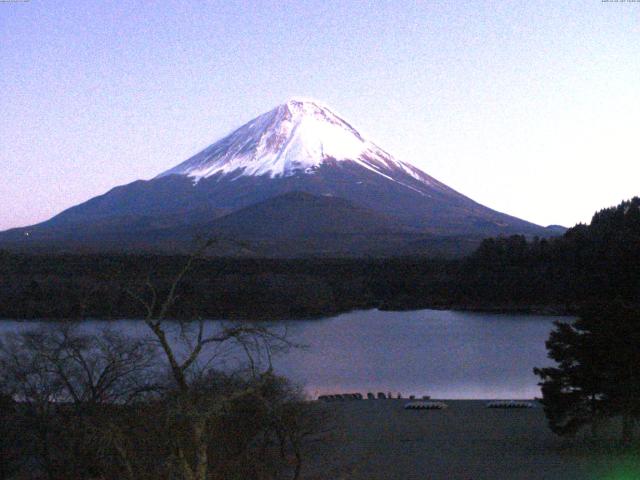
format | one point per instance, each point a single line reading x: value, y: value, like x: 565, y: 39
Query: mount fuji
x: 295, y: 181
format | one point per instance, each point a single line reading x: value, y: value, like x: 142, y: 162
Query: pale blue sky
x: 529, y: 107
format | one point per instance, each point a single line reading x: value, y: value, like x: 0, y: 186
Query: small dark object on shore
x: 425, y: 406
x: 510, y: 404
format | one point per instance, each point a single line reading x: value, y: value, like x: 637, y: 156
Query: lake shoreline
x: 538, y: 310
x: 542, y: 310
x: 445, y: 354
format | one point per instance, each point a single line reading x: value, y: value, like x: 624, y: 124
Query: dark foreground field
x: 380, y: 440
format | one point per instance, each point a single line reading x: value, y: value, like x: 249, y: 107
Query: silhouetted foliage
x: 600, y: 261
x: 9, y: 437
x: 598, y: 371
x: 97, y: 405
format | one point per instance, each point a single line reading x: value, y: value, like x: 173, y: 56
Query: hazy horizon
x: 528, y: 108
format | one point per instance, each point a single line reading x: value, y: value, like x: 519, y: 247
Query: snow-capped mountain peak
x: 297, y: 180
x: 295, y: 137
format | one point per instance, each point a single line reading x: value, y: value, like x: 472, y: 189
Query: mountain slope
x: 299, y: 146
x: 298, y: 223
x: 299, y: 214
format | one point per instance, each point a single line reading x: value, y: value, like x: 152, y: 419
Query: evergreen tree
x: 598, y: 371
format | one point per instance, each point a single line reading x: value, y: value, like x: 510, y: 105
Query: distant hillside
x: 302, y: 215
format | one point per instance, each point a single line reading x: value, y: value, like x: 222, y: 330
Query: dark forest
x: 595, y: 262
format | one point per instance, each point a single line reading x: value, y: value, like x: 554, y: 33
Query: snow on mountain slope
x: 296, y: 137
x: 298, y: 148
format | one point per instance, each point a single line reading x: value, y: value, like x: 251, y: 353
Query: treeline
x: 104, y: 286
x: 595, y: 262
x: 600, y: 261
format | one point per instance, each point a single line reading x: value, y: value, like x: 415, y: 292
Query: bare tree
x: 195, y: 410
x: 77, y: 368
x: 62, y: 380
x: 165, y: 405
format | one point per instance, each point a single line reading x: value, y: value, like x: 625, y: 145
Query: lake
x: 444, y: 354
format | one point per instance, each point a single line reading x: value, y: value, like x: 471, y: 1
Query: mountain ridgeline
x: 297, y: 181
x: 596, y: 262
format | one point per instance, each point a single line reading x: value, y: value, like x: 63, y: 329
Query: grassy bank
x: 380, y: 440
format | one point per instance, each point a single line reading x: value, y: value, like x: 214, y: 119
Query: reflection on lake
x: 444, y: 354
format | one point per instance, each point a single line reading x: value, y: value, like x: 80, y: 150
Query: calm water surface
x: 444, y: 354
